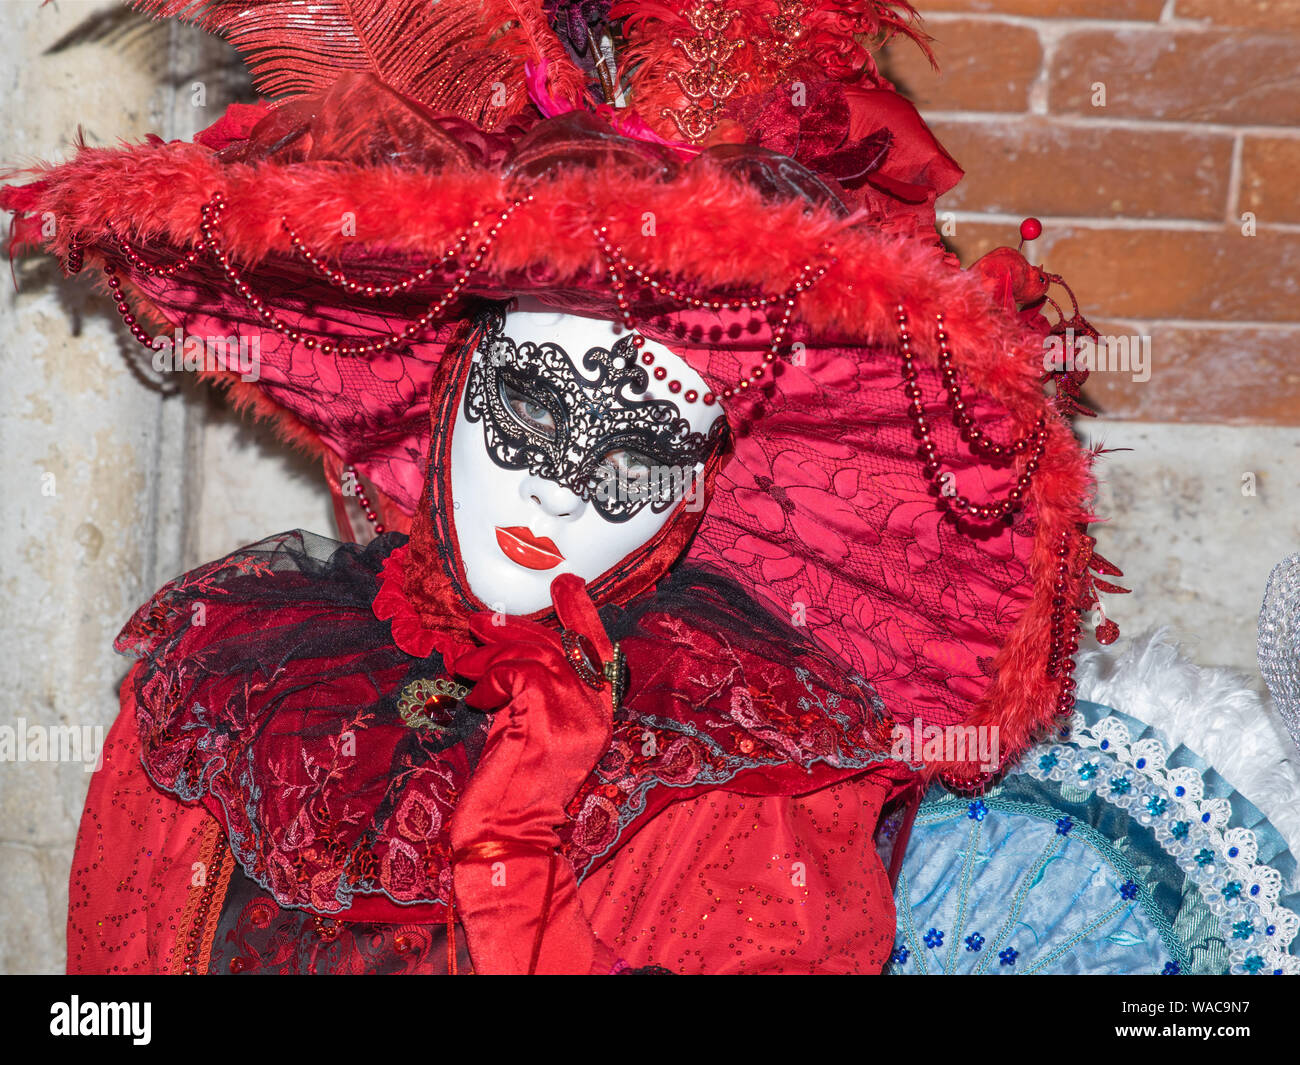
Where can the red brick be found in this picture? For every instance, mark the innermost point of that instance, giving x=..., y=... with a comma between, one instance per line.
x=1172, y=274
x=986, y=66
x=1187, y=76
x=1142, y=10
x=1233, y=376
x=1257, y=14
x=1033, y=165
x=1269, y=183
x=971, y=240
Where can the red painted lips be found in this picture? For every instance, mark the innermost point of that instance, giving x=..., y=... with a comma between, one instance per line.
x=529, y=551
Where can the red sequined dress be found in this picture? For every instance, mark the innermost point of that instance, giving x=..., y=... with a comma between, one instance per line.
x=263, y=808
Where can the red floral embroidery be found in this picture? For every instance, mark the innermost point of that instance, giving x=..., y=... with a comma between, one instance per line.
x=825, y=512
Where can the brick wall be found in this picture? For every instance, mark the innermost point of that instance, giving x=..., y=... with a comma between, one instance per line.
x=1159, y=143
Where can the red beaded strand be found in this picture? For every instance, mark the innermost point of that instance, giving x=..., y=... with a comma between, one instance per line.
x=1035, y=442
x=973, y=435
x=153, y=270
x=733, y=303
x=1065, y=630
x=363, y=499
x=615, y=259
x=339, y=279
x=124, y=308
x=968, y=787
x=1063, y=645
x=212, y=213
x=76, y=256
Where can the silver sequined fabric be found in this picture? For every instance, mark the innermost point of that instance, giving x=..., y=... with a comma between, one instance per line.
x=1279, y=641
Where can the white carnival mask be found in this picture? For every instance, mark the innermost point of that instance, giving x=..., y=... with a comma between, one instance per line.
x=566, y=456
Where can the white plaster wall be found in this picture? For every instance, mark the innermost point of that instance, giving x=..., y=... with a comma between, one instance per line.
x=1196, y=517
x=149, y=477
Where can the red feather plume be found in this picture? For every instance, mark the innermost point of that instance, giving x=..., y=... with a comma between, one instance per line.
x=462, y=56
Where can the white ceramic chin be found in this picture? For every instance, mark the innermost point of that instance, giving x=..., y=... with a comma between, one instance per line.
x=486, y=497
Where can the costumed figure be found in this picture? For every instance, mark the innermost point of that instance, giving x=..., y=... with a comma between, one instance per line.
x=713, y=509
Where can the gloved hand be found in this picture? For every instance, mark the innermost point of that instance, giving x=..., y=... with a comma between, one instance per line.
x=515, y=894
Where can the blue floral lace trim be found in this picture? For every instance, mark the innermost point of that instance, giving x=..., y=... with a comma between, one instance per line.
x=1103, y=852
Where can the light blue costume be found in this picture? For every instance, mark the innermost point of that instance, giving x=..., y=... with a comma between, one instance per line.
x=1106, y=852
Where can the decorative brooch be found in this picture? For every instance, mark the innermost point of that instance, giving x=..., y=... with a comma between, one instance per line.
x=585, y=660
x=428, y=703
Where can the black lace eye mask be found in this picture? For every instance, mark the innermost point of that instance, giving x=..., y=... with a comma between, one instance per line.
x=598, y=438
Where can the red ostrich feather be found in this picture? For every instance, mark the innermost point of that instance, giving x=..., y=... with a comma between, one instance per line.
x=829, y=46
x=454, y=56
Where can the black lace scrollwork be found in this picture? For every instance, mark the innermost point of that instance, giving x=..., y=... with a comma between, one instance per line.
x=600, y=437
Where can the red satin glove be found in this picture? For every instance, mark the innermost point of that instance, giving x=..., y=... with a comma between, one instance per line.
x=515, y=894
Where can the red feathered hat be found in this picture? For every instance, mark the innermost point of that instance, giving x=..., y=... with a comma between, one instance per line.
x=731, y=178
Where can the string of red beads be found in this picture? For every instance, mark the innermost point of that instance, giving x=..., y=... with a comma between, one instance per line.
x=1063, y=645
x=211, y=215
x=638, y=341
x=76, y=256
x=615, y=259
x=124, y=308
x=341, y=280
x=154, y=270
x=1065, y=630
x=665, y=288
x=971, y=433
x=1035, y=441
x=363, y=499
x=967, y=786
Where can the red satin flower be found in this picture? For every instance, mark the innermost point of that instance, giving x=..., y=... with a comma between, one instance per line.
x=391, y=604
x=813, y=128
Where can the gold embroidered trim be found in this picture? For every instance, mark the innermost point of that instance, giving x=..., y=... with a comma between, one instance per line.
x=782, y=50
x=708, y=84
x=198, y=921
